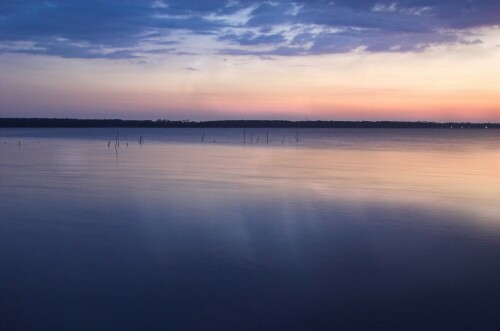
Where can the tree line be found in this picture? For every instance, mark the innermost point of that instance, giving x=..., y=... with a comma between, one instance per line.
x=119, y=123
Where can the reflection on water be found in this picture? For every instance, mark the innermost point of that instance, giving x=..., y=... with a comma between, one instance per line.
x=349, y=229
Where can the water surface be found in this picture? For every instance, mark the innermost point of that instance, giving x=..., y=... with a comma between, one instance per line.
x=338, y=229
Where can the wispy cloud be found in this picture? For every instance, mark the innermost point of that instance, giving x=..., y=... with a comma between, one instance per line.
x=113, y=29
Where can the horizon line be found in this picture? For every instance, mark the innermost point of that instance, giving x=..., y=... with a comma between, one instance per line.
x=12, y=122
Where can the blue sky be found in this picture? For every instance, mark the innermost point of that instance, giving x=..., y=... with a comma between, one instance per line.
x=131, y=29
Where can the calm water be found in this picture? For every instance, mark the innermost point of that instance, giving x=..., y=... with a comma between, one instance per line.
x=344, y=229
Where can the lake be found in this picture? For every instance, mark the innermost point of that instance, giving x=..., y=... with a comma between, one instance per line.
x=348, y=229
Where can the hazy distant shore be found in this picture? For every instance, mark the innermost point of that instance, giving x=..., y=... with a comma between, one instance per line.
x=104, y=123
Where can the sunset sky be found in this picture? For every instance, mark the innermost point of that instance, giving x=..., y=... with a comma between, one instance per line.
x=436, y=60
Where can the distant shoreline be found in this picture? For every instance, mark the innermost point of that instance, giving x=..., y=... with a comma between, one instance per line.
x=117, y=123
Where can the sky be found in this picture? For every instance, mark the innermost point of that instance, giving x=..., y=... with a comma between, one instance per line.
x=431, y=60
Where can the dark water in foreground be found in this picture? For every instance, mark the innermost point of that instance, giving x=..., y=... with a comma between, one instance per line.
x=346, y=229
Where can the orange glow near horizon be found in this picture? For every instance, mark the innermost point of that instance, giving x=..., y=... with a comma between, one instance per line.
x=442, y=84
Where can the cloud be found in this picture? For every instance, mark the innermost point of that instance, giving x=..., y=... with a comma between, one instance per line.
x=160, y=51
x=128, y=29
x=471, y=42
x=251, y=38
x=377, y=41
x=264, y=54
x=159, y=4
x=68, y=50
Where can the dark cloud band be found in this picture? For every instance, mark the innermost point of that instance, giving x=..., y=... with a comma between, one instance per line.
x=115, y=29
